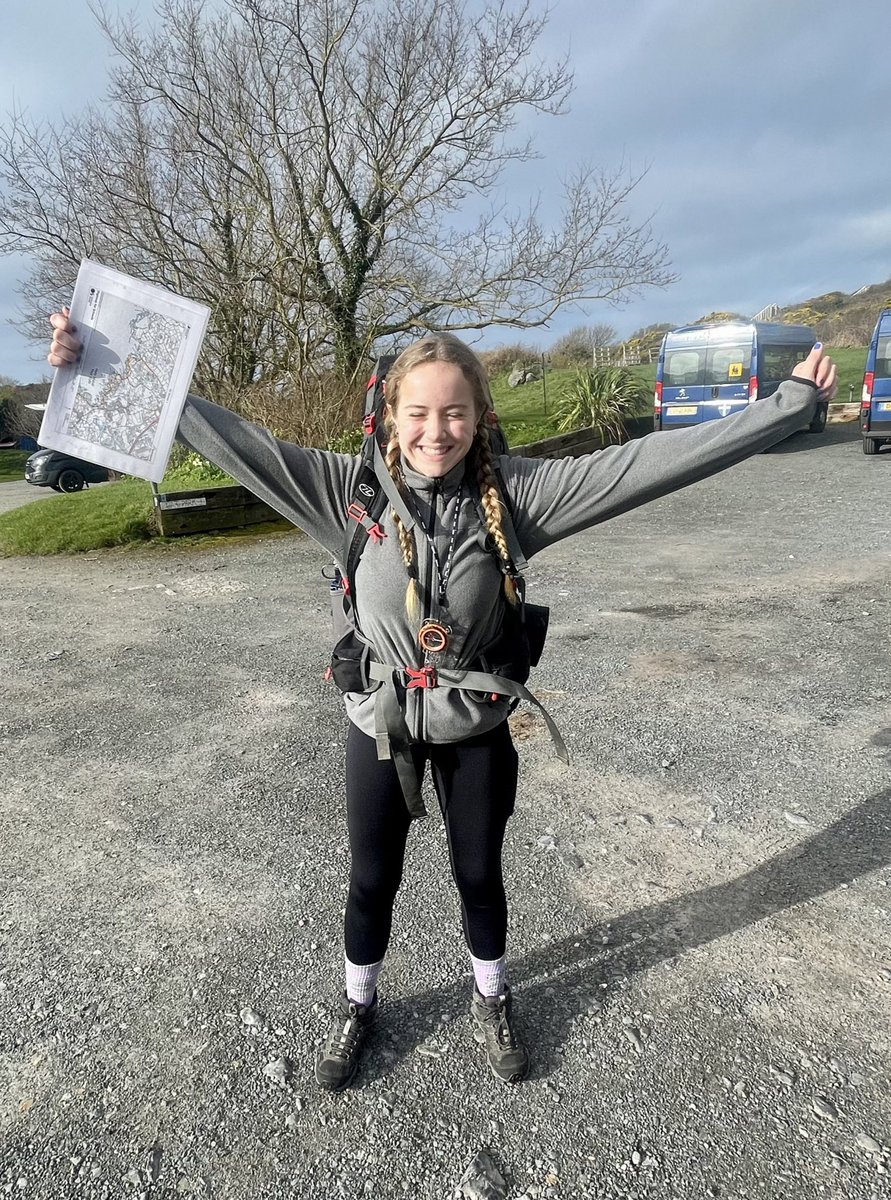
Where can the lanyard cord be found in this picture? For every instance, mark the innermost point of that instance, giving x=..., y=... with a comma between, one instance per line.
x=443, y=569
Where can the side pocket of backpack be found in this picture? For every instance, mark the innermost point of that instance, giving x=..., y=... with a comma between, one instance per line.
x=349, y=664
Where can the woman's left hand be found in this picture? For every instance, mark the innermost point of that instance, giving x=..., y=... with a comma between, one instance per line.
x=819, y=368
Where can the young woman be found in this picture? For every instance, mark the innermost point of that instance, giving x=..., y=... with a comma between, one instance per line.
x=437, y=563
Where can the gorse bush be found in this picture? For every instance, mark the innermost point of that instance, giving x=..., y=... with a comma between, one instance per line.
x=601, y=398
x=198, y=468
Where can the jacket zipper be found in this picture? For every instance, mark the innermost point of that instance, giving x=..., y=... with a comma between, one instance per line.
x=427, y=611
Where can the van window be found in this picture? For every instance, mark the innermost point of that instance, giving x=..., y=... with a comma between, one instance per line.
x=683, y=368
x=728, y=364
x=883, y=358
x=777, y=362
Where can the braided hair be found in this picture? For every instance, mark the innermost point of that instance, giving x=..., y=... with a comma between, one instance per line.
x=445, y=348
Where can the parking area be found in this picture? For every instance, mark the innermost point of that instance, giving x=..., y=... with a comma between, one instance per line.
x=701, y=899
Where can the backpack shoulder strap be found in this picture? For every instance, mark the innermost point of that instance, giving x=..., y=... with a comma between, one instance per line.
x=374, y=486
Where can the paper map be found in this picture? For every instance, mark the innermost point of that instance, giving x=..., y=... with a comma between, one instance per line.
x=121, y=404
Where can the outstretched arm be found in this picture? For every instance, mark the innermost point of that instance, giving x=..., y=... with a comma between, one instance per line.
x=552, y=499
x=311, y=488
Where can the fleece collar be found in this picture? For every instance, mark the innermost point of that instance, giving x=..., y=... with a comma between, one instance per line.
x=450, y=482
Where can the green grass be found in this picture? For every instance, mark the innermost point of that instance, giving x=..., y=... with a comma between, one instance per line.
x=850, y=362
x=12, y=465
x=111, y=515
x=528, y=412
x=115, y=514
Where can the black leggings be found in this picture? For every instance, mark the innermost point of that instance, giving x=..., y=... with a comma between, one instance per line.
x=476, y=784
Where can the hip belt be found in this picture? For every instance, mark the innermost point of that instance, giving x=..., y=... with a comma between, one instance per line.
x=391, y=729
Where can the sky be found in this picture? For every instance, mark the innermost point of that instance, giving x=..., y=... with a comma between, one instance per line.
x=762, y=126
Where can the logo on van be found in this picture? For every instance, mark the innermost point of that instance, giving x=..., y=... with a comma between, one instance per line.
x=682, y=394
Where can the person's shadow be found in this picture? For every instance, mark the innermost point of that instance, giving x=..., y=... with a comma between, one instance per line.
x=858, y=842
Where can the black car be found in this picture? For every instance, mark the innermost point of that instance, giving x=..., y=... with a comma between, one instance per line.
x=62, y=472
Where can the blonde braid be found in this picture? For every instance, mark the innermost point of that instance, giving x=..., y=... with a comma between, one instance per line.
x=491, y=502
x=406, y=536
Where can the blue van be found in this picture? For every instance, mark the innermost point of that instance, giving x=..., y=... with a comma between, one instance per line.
x=712, y=370
x=875, y=402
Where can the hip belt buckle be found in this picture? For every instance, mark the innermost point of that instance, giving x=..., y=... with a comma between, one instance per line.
x=421, y=677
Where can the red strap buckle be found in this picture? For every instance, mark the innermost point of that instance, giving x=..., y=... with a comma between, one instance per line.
x=375, y=532
x=369, y=424
x=421, y=677
x=357, y=512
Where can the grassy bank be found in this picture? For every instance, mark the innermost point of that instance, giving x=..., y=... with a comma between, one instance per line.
x=113, y=514
x=528, y=412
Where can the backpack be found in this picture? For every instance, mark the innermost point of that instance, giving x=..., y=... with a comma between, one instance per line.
x=505, y=664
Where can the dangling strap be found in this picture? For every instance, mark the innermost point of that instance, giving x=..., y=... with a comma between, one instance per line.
x=391, y=730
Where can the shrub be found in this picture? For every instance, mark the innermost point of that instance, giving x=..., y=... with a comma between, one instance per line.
x=601, y=398
x=505, y=358
x=198, y=468
x=348, y=442
x=576, y=347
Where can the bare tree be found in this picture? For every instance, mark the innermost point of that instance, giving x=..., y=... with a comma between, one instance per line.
x=305, y=168
x=579, y=343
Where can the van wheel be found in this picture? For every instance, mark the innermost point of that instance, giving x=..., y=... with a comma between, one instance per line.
x=71, y=481
x=870, y=446
x=819, y=422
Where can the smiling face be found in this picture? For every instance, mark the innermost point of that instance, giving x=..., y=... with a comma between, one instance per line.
x=435, y=417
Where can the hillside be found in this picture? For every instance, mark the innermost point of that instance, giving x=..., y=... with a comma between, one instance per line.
x=840, y=319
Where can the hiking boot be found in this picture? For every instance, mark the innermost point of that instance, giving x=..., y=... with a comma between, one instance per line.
x=507, y=1057
x=338, y=1059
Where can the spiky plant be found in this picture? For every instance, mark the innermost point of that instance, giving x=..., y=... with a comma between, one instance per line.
x=601, y=398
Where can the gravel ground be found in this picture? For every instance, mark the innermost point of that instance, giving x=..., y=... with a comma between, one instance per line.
x=700, y=901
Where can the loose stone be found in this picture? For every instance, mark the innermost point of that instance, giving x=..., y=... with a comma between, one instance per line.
x=825, y=1108
x=482, y=1180
x=251, y=1018
x=278, y=1071
x=796, y=819
x=431, y=1050
x=869, y=1144
x=633, y=1036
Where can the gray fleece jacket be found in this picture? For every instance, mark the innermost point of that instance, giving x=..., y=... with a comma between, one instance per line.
x=549, y=499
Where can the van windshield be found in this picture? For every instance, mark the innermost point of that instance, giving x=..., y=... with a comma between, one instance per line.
x=883, y=358
x=707, y=366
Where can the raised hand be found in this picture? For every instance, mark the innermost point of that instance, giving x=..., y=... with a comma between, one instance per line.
x=66, y=345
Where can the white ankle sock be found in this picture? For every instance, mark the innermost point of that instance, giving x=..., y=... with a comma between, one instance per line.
x=361, y=982
x=490, y=975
